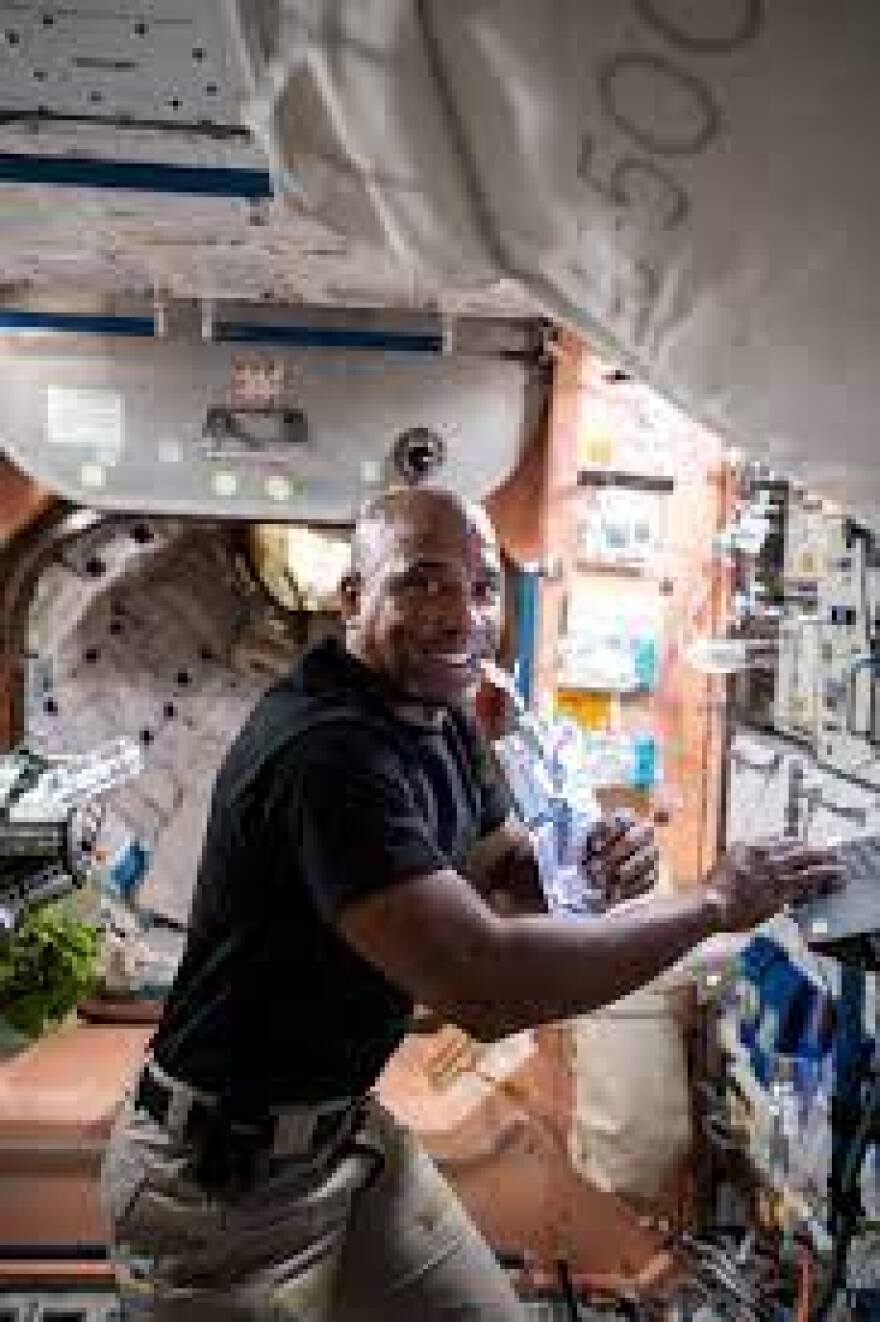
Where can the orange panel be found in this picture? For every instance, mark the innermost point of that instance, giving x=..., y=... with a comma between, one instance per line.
x=21, y=500
x=57, y=1102
x=68, y=1084
x=591, y=710
x=687, y=710
x=507, y=1155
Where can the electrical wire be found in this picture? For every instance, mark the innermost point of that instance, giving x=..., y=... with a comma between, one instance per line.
x=844, y=1224
x=802, y=1305
x=713, y=1266
x=568, y=1295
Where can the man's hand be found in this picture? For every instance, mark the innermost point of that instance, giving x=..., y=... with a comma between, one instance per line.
x=620, y=857
x=503, y=869
x=750, y=883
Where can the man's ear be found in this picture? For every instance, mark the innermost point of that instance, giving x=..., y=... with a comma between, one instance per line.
x=350, y=595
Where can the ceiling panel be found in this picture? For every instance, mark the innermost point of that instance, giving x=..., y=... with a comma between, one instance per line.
x=165, y=82
x=156, y=60
x=126, y=242
x=693, y=186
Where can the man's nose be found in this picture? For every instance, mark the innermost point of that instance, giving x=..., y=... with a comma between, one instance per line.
x=463, y=613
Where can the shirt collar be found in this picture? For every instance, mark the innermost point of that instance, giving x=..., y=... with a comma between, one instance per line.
x=330, y=665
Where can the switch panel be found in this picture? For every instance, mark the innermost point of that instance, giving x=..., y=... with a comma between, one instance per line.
x=796, y=699
x=806, y=544
x=841, y=591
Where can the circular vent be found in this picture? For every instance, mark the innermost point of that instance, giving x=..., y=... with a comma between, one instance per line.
x=418, y=454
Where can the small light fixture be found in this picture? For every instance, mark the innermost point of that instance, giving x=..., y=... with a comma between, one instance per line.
x=207, y=320
x=92, y=475
x=160, y=315
x=169, y=452
x=277, y=487
x=225, y=484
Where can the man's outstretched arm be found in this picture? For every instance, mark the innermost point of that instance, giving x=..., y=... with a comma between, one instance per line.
x=436, y=938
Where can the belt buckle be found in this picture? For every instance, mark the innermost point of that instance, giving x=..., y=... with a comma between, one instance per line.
x=179, y=1112
x=153, y=1096
x=170, y=1104
x=294, y=1133
x=327, y=1126
x=257, y=1134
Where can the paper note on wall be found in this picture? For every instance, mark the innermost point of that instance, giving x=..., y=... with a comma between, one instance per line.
x=92, y=418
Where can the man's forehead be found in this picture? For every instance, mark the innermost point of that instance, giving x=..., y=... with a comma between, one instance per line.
x=465, y=537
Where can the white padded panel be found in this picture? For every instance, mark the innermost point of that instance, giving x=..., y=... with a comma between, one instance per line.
x=167, y=623
x=692, y=185
x=153, y=59
x=162, y=81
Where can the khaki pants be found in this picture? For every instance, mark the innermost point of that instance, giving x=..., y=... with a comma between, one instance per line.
x=371, y=1231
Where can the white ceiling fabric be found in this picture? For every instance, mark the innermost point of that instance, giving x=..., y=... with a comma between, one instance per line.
x=691, y=184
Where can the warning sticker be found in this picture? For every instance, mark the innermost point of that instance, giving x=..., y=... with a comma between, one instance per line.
x=89, y=417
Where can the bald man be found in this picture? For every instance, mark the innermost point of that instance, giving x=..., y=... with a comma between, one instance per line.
x=354, y=839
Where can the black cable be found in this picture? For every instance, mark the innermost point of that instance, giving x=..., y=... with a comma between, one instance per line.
x=849, y=1204
x=568, y=1295
x=512, y=1260
x=85, y=1251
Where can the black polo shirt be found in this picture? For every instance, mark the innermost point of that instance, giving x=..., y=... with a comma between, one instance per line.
x=325, y=797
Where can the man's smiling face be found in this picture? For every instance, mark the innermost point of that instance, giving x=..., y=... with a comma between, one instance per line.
x=424, y=604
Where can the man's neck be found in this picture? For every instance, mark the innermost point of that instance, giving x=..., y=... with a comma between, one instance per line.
x=413, y=711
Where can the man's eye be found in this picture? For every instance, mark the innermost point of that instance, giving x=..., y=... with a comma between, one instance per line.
x=418, y=580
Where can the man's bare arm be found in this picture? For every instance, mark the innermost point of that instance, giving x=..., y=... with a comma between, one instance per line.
x=502, y=868
x=436, y=938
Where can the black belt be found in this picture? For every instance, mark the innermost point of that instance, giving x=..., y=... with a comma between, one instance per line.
x=256, y=1132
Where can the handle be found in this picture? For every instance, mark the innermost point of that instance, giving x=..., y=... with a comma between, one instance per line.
x=770, y=768
x=224, y=426
x=850, y=813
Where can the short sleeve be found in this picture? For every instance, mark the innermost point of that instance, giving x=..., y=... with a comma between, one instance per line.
x=358, y=828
